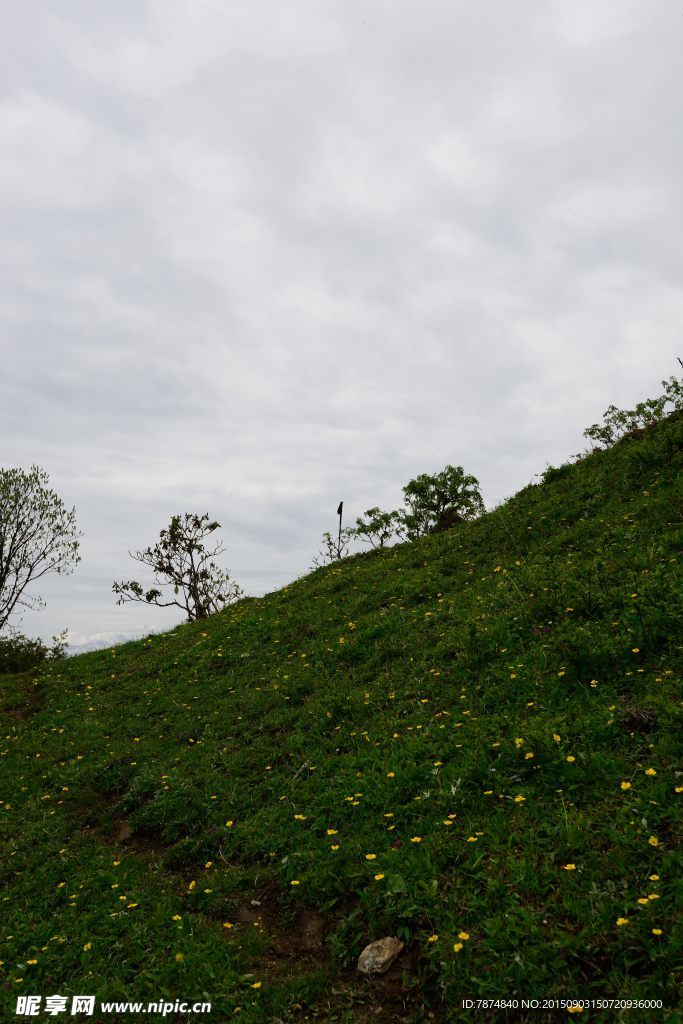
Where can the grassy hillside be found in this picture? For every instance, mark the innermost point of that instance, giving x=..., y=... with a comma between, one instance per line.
x=468, y=742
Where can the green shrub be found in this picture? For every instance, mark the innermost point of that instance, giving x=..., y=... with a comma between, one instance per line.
x=553, y=473
x=378, y=528
x=439, y=502
x=19, y=653
x=618, y=423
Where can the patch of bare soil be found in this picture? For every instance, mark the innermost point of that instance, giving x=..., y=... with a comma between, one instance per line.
x=290, y=937
x=20, y=712
x=298, y=946
x=141, y=842
x=17, y=713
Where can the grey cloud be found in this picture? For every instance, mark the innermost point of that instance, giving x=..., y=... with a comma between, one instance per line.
x=263, y=257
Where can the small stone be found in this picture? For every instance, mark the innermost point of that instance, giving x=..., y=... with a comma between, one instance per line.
x=378, y=956
x=124, y=832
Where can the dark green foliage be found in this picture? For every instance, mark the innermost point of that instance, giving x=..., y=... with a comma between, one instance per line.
x=437, y=503
x=553, y=473
x=433, y=504
x=116, y=777
x=19, y=653
x=378, y=527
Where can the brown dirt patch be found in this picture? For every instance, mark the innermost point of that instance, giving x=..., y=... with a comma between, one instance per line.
x=141, y=842
x=20, y=712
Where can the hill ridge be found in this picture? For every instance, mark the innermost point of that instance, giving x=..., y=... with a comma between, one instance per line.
x=474, y=734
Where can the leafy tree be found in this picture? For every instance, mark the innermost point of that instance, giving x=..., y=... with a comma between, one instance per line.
x=378, y=528
x=435, y=503
x=38, y=535
x=617, y=423
x=181, y=561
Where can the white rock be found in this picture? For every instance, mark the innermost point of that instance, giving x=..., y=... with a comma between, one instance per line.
x=378, y=956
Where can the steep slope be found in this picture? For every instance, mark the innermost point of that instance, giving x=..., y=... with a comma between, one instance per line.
x=468, y=742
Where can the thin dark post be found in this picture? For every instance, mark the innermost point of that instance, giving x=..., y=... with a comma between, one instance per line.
x=339, y=513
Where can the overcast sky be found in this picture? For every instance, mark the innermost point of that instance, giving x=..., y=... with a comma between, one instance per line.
x=258, y=257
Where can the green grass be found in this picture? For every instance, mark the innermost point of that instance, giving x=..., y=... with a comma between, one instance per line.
x=488, y=691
